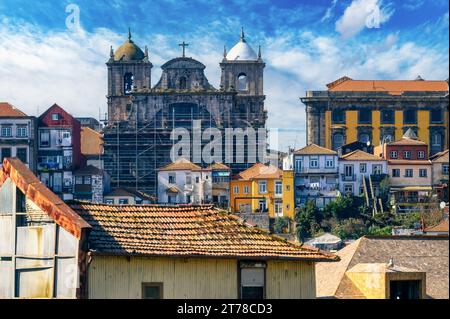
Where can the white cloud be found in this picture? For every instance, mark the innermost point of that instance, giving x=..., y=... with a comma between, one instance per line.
x=329, y=13
x=362, y=14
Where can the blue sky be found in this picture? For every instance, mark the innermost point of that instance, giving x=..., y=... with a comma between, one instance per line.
x=305, y=44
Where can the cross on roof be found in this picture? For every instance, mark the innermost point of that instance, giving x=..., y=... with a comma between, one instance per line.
x=184, y=45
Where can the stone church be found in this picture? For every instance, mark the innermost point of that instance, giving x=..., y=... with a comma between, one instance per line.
x=141, y=116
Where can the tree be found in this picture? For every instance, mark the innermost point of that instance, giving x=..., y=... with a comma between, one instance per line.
x=351, y=228
x=305, y=217
x=281, y=223
x=342, y=207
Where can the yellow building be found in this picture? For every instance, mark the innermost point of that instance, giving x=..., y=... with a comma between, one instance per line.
x=373, y=111
x=261, y=189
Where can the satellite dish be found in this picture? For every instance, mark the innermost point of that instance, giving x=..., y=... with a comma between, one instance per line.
x=442, y=205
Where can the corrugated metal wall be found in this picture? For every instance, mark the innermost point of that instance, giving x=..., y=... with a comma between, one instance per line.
x=118, y=277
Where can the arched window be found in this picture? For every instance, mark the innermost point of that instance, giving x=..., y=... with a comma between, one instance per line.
x=128, y=83
x=364, y=137
x=338, y=140
x=182, y=83
x=242, y=84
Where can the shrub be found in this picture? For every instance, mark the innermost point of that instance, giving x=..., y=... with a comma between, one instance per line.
x=281, y=224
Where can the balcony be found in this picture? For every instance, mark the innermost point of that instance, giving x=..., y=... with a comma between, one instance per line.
x=317, y=170
x=348, y=178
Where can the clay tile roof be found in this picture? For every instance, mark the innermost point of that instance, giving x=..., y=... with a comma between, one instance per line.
x=259, y=171
x=441, y=227
x=427, y=254
x=180, y=165
x=39, y=194
x=407, y=141
x=91, y=142
x=394, y=87
x=359, y=155
x=441, y=157
x=313, y=149
x=183, y=230
x=9, y=110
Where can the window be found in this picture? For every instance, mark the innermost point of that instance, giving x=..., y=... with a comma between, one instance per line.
x=6, y=130
x=409, y=172
x=337, y=116
x=197, y=179
x=262, y=205
x=55, y=116
x=410, y=117
x=396, y=172
x=365, y=117
x=236, y=189
x=420, y=154
x=393, y=154
x=387, y=117
x=436, y=116
x=242, y=84
x=78, y=180
x=278, y=207
x=338, y=140
x=348, y=170
x=123, y=201
x=404, y=289
x=278, y=188
x=183, y=85
x=128, y=83
x=22, y=154
x=152, y=290
x=288, y=188
x=298, y=165
x=348, y=189
x=6, y=152
x=252, y=280
x=188, y=179
x=109, y=201
x=364, y=137
x=361, y=190
x=246, y=190
x=22, y=131
x=423, y=172
x=436, y=142
x=377, y=169
x=188, y=199
x=445, y=169
x=262, y=187
x=87, y=180
x=407, y=154
x=313, y=162
x=329, y=162
x=172, y=179
x=363, y=168
x=44, y=139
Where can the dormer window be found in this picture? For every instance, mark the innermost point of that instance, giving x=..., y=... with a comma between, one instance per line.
x=242, y=83
x=128, y=83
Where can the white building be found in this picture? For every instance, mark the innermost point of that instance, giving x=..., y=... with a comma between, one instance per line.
x=183, y=182
x=358, y=169
x=316, y=175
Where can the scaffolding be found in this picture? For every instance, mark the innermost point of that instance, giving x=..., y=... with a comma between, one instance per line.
x=135, y=149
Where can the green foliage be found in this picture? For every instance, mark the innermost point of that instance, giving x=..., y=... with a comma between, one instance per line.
x=379, y=231
x=306, y=219
x=351, y=228
x=281, y=224
x=343, y=207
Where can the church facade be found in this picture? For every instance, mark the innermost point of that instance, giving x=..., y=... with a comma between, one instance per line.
x=142, y=116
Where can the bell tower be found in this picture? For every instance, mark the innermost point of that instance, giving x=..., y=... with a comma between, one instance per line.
x=243, y=69
x=129, y=69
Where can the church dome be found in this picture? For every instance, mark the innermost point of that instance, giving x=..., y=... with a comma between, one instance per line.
x=129, y=51
x=242, y=51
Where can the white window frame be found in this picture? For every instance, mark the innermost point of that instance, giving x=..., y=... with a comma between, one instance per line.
x=409, y=170
x=246, y=189
x=278, y=208
x=393, y=154
x=361, y=166
x=407, y=154
x=313, y=160
x=235, y=189
x=421, y=171
x=420, y=154
x=278, y=188
x=262, y=187
x=329, y=160
x=445, y=169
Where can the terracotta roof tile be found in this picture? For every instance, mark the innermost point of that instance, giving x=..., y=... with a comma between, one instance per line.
x=441, y=157
x=180, y=165
x=39, y=194
x=259, y=171
x=394, y=87
x=359, y=155
x=218, y=166
x=407, y=141
x=9, y=110
x=183, y=230
x=313, y=149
